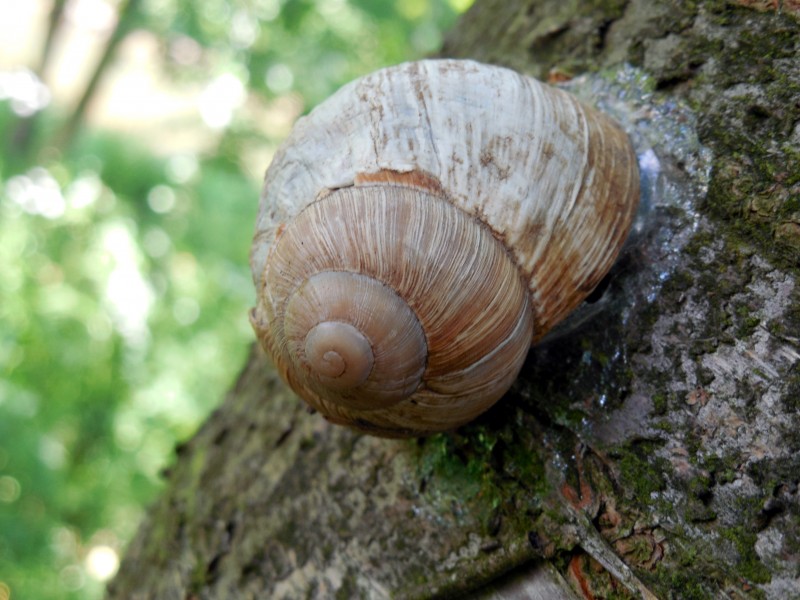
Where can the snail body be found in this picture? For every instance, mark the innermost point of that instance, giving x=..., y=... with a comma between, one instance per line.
x=420, y=229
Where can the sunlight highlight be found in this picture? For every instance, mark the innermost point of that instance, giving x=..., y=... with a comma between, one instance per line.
x=102, y=562
x=220, y=99
x=128, y=293
x=37, y=193
x=25, y=91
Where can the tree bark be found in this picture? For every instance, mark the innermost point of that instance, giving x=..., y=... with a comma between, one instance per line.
x=651, y=452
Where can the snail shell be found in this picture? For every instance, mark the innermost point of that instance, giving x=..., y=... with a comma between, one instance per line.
x=420, y=229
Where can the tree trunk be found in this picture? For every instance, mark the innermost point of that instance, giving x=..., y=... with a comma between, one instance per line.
x=651, y=452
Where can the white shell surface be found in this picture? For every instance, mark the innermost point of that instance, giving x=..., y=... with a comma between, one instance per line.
x=556, y=182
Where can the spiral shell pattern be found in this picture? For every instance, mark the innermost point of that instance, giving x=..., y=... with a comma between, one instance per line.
x=430, y=343
x=421, y=228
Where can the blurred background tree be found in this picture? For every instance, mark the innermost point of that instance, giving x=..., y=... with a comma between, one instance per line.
x=135, y=134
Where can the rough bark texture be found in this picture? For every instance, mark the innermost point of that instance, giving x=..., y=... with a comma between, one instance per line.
x=657, y=453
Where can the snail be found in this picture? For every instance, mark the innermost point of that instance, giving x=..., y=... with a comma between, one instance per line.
x=422, y=228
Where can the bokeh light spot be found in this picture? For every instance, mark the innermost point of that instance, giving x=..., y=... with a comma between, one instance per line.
x=460, y=6
x=96, y=15
x=102, y=562
x=10, y=489
x=161, y=199
x=156, y=242
x=72, y=578
x=185, y=50
x=84, y=191
x=37, y=193
x=268, y=10
x=128, y=294
x=25, y=91
x=220, y=99
x=181, y=168
x=279, y=78
x=244, y=29
x=52, y=452
x=186, y=311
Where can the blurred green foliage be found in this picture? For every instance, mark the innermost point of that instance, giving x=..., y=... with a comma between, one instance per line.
x=124, y=284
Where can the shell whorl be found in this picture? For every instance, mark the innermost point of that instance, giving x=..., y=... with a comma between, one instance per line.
x=356, y=339
x=434, y=307
x=476, y=206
